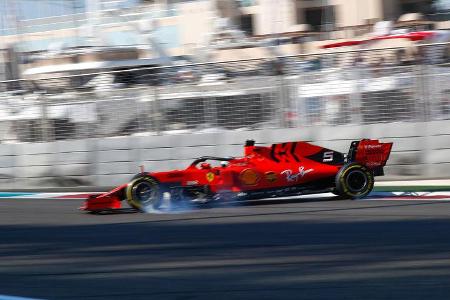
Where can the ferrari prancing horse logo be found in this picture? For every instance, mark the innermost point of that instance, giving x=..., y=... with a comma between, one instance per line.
x=210, y=176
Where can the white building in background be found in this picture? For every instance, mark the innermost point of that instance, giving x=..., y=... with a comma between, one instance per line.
x=182, y=26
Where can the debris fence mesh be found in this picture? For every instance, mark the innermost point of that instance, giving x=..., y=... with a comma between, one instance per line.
x=335, y=88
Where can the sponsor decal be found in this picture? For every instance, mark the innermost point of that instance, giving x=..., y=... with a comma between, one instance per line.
x=210, y=176
x=249, y=177
x=292, y=177
x=192, y=182
x=271, y=176
x=374, y=147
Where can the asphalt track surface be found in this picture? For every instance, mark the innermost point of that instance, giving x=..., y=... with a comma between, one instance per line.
x=277, y=249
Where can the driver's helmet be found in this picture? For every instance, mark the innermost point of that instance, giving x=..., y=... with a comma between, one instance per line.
x=205, y=165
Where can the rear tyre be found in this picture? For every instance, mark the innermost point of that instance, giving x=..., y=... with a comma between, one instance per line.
x=144, y=194
x=354, y=181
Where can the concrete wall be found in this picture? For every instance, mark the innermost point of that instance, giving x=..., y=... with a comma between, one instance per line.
x=421, y=150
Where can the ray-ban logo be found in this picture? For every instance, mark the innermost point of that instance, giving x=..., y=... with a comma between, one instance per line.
x=291, y=176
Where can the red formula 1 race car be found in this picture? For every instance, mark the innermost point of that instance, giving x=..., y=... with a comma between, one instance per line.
x=284, y=169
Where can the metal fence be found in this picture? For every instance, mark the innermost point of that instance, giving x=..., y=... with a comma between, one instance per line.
x=347, y=87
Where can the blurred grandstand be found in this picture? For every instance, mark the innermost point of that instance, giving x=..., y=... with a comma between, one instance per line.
x=86, y=69
x=75, y=91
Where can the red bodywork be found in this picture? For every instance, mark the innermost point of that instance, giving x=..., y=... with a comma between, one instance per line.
x=412, y=36
x=262, y=171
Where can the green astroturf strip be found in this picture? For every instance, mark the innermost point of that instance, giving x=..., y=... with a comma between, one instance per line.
x=418, y=188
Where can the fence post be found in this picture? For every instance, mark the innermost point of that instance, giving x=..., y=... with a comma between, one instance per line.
x=300, y=103
x=422, y=93
x=423, y=98
x=156, y=111
x=210, y=110
x=45, y=125
x=355, y=97
x=282, y=101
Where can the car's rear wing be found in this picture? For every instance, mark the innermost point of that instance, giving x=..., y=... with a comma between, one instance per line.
x=370, y=153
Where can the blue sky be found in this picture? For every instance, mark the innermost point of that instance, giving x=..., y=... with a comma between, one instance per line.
x=443, y=4
x=32, y=9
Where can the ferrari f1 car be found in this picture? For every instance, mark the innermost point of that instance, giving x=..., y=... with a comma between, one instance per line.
x=283, y=169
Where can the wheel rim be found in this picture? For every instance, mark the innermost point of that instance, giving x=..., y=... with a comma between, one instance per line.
x=357, y=181
x=145, y=193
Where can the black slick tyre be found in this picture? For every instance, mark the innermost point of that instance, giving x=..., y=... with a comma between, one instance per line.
x=144, y=193
x=354, y=181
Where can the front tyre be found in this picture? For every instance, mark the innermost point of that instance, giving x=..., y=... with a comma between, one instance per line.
x=354, y=181
x=144, y=194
